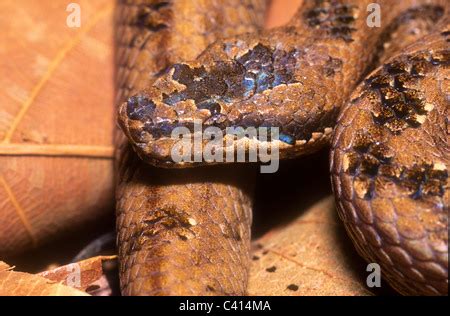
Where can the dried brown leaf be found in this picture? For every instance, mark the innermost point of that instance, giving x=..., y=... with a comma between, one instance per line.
x=14, y=283
x=87, y=275
x=56, y=120
x=307, y=257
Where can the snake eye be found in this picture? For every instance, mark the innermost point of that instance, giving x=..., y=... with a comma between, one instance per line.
x=287, y=139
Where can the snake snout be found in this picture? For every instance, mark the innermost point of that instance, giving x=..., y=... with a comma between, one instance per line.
x=134, y=115
x=140, y=107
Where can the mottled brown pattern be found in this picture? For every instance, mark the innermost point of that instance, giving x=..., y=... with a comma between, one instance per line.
x=319, y=71
x=337, y=19
x=401, y=102
x=389, y=161
x=184, y=232
x=390, y=172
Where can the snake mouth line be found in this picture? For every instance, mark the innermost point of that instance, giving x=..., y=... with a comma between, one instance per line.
x=194, y=144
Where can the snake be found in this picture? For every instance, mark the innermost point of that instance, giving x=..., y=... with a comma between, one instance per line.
x=185, y=232
x=379, y=94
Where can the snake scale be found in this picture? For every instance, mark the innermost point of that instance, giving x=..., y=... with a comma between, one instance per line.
x=390, y=152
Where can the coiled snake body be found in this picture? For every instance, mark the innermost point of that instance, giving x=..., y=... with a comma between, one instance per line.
x=390, y=152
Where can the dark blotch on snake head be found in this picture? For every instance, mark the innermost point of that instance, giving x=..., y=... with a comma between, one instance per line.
x=260, y=69
x=214, y=85
x=222, y=81
x=140, y=108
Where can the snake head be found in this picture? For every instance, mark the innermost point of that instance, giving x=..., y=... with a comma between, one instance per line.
x=244, y=83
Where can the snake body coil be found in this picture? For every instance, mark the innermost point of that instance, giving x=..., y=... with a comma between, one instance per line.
x=186, y=232
x=389, y=166
x=390, y=154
